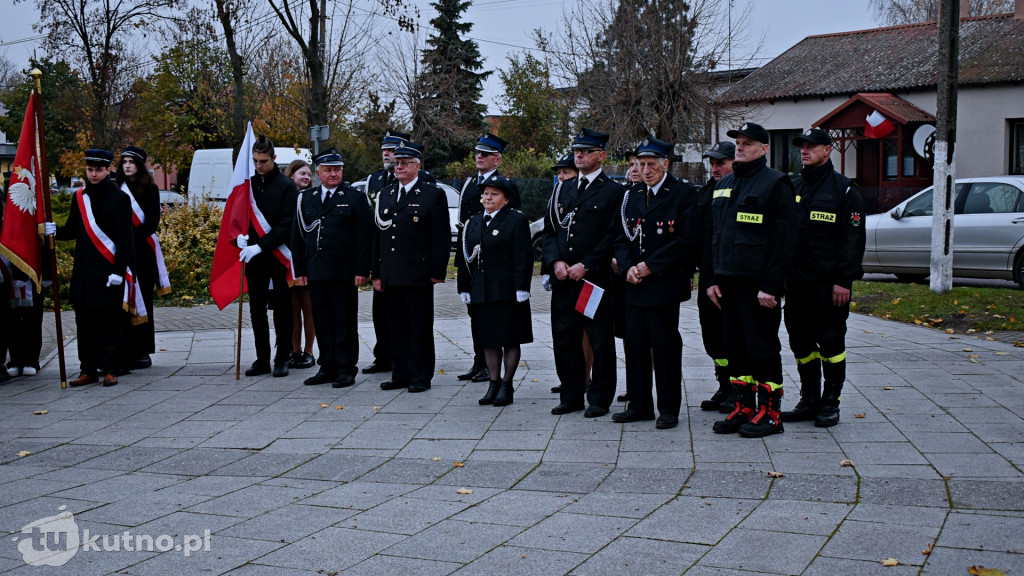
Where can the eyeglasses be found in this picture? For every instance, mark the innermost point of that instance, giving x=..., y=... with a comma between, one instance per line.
x=586, y=152
x=483, y=154
x=404, y=163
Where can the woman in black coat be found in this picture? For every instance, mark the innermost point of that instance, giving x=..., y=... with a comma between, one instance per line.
x=139, y=341
x=494, y=279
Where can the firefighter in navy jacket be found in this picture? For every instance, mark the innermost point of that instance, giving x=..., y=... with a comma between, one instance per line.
x=753, y=215
x=331, y=245
x=829, y=250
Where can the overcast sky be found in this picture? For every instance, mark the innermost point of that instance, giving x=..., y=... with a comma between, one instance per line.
x=504, y=26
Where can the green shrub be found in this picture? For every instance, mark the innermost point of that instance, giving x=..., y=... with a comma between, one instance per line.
x=188, y=238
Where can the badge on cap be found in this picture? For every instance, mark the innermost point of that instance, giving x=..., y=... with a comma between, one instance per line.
x=646, y=142
x=744, y=127
x=580, y=135
x=807, y=132
x=715, y=147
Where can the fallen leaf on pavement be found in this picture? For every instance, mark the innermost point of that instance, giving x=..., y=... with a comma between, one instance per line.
x=534, y=380
x=441, y=372
x=968, y=349
x=339, y=407
x=40, y=412
x=927, y=550
x=1019, y=344
x=1001, y=353
x=890, y=562
x=436, y=458
x=982, y=571
x=23, y=453
x=847, y=463
x=772, y=474
x=324, y=405
x=859, y=415
x=888, y=388
x=464, y=491
x=458, y=464
x=376, y=407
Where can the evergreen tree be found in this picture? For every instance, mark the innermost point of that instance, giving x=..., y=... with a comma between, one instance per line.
x=449, y=116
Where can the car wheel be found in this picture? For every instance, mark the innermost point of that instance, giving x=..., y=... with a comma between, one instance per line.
x=538, y=249
x=1018, y=270
x=911, y=278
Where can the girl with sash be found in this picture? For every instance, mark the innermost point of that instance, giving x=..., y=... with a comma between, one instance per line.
x=135, y=180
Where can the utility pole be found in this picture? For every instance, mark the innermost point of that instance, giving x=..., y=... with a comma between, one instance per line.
x=945, y=140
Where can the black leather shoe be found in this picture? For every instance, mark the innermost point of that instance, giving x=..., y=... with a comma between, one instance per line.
x=506, y=392
x=143, y=362
x=419, y=387
x=556, y=389
x=473, y=371
x=594, y=412
x=320, y=377
x=716, y=400
x=389, y=385
x=482, y=376
x=343, y=381
x=377, y=366
x=564, y=408
x=623, y=398
x=258, y=369
x=280, y=368
x=631, y=416
x=301, y=360
x=666, y=422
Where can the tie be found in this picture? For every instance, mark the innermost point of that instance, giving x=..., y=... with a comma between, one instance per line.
x=583, y=186
x=479, y=179
x=487, y=220
x=327, y=197
x=401, y=194
x=650, y=195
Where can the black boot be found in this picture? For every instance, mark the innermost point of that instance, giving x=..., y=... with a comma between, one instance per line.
x=743, y=408
x=810, y=393
x=766, y=421
x=504, y=397
x=719, y=397
x=492, y=391
x=828, y=416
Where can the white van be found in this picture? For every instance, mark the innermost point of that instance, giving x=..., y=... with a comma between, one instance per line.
x=212, y=168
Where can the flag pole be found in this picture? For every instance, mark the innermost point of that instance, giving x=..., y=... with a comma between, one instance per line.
x=238, y=346
x=44, y=180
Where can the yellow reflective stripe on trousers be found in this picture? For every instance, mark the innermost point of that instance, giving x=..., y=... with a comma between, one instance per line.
x=772, y=385
x=835, y=359
x=809, y=358
x=721, y=361
x=747, y=379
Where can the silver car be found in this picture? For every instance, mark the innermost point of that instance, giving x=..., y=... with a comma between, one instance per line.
x=988, y=233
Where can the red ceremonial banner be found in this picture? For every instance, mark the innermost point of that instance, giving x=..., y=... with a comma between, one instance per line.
x=23, y=206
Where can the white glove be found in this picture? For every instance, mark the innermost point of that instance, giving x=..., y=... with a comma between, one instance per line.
x=465, y=297
x=242, y=241
x=249, y=252
x=545, y=281
x=50, y=228
x=114, y=280
x=522, y=295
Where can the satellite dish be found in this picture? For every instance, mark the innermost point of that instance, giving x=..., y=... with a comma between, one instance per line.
x=924, y=139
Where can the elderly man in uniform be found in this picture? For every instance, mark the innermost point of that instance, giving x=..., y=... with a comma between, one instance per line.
x=331, y=246
x=100, y=222
x=652, y=254
x=376, y=182
x=720, y=157
x=830, y=241
x=411, y=256
x=753, y=217
x=579, y=230
x=487, y=154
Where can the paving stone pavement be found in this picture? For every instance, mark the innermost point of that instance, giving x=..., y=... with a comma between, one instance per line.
x=287, y=479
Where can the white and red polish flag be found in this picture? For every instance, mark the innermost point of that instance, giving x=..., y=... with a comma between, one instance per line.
x=590, y=299
x=877, y=126
x=226, y=270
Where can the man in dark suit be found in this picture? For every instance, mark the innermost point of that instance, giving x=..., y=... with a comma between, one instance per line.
x=652, y=256
x=487, y=154
x=100, y=222
x=376, y=182
x=331, y=246
x=275, y=196
x=411, y=256
x=578, y=233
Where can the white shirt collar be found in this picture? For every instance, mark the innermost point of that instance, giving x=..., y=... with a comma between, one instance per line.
x=657, y=186
x=408, y=187
x=492, y=214
x=487, y=175
x=590, y=177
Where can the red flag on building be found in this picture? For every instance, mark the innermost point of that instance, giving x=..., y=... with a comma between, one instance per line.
x=224, y=275
x=877, y=126
x=23, y=206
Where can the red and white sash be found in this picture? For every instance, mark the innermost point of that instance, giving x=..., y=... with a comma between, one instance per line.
x=163, y=282
x=132, y=301
x=259, y=221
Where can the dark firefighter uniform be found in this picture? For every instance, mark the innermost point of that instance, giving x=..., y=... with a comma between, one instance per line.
x=752, y=236
x=376, y=182
x=331, y=245
x=415, y=242
x=653, y=223
x=580, y=227
x=829, y=249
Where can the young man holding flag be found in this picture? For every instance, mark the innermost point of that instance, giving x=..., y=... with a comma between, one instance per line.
x=100, y=222
x=265, y=250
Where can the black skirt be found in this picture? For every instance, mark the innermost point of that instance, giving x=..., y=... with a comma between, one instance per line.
x=501, y=324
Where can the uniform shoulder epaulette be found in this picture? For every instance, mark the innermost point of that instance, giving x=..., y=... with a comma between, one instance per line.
x=519, y=211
